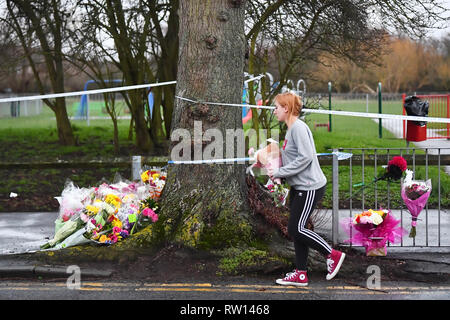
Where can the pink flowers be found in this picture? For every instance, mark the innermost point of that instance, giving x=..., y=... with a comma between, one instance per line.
x=416, y=189
x=415, y=195
x=147, y=212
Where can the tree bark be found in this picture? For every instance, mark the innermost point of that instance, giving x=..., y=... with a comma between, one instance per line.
x=206, y=205
x=63, y=126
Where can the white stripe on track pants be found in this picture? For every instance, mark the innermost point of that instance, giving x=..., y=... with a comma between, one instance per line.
x=302, y=204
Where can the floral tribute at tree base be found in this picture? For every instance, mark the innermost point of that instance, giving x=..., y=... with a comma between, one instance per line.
x=108, y=213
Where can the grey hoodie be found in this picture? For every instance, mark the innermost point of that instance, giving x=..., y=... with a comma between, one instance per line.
x=300, y=164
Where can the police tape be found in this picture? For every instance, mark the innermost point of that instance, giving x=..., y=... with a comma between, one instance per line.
x=85, y=92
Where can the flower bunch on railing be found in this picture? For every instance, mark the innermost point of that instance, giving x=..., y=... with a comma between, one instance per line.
x=394, y=171
x=415, y=194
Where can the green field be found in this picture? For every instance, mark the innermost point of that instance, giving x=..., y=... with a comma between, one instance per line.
x=47, y=118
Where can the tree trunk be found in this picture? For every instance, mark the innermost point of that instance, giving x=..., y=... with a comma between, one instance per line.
x=143, y=141
x=63, y=126
x=204, y=205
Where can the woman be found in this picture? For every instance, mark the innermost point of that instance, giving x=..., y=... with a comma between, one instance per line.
x=302, y=172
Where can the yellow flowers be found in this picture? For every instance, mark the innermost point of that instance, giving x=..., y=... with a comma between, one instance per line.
x=145, y=176
x=155, y=180
x=92, y=210
x=113, y=200
x=116, y=223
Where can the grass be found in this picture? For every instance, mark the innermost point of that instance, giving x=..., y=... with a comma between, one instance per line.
x=46, y=119
x=354, y=132
x=40, y=143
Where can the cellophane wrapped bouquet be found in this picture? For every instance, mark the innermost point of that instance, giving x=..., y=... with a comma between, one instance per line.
x=270, y=157
x=415, y=194
x=107, y=213
x=373, y=229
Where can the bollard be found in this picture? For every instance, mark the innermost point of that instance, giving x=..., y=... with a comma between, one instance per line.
x=380, y=111
x=329, y=106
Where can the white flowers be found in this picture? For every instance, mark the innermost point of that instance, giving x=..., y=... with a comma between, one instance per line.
x=108, y=208
x=371, y=216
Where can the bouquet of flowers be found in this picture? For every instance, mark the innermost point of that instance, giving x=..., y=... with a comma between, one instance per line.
x=270, y=157
x=105, y=214
x=395, y=169
x=373, y=229
x=415, y=195
x=278, y=191
x=156, y=181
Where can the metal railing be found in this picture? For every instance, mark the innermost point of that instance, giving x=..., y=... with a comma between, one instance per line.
x=19, y=108
x=362, y=192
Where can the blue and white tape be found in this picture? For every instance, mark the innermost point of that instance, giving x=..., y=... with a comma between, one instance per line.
x=80, y=93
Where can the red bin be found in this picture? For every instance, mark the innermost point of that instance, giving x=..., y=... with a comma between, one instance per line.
x=415, y=132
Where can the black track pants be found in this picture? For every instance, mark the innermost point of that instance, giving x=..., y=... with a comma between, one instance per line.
x=302, y=203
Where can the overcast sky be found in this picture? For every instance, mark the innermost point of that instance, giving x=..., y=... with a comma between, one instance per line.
x=443, y=32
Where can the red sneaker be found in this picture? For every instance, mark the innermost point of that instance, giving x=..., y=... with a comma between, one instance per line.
x=295, y=278
x=334, y=262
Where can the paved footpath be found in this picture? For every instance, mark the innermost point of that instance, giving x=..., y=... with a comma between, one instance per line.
x=25, y=231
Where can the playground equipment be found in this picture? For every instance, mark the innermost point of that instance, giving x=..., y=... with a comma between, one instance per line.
x=151, y=102
x=83, y=109
x=301, y=92
x=247, y=112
